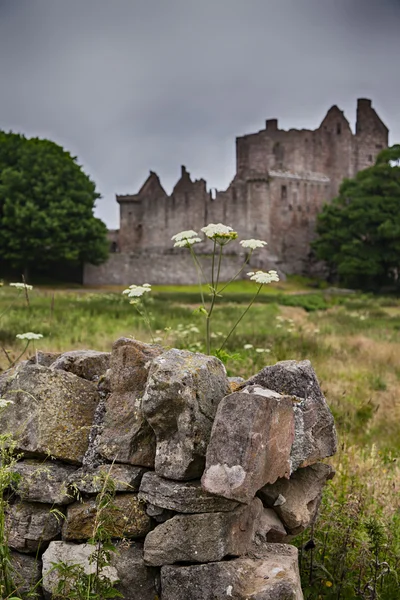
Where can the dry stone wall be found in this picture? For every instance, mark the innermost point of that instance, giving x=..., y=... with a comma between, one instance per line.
x=213, y=476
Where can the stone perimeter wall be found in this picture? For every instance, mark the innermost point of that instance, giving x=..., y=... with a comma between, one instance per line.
x=214, y=476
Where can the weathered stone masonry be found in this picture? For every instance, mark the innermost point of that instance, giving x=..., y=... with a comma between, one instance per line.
x=282, y=180
x=213, y=477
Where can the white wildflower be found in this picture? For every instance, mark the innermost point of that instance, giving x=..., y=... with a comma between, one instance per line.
x=248, y=346
x=263, y=277
x=4, y=403
x=29, y=335
x=219, y=232
x=184, y=235
x=187, y=242
x=135, y=291
x=21, y=286
x=253, y=244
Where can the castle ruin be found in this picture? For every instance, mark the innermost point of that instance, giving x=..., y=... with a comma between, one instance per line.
x=282, y=180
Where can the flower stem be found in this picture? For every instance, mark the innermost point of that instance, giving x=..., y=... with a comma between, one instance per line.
x=240, y=318
x=238, y=273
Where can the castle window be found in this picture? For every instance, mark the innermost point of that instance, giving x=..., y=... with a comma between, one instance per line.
x=114, y=247
x=370, y=157
x=338, y=128
x=378, y=146
x=283, y=192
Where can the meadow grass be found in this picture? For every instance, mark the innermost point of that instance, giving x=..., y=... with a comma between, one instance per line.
x=353, y=343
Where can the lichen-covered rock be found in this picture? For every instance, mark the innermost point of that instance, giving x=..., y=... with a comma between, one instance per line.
x=315, y=433
x=31, y=526
x=202, y=537
x=126, y=518
x=296, y=500
x=181, y=496
x=88, y=364
x=250, y=443
x=27, y=572
x=126, y=437
x=45, y=359
x=125, y=478
x=180, y=401
x=268, y=574
x=270, y=528
x=70, y=554
x=51, y=414
x=137, y=581
x=44, y=481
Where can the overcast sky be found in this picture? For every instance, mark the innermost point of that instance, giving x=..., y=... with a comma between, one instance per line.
x=130, y=86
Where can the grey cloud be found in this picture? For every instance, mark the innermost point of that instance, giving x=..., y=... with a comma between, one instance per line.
x=131, y=85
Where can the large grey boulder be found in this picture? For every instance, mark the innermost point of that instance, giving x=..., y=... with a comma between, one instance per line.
x=268, y=574
x=180, y=401
x=126, y=570
x=44, y=481
x=124, y=478
x=70, y=554
x=51, y=414
x=250, y=443
x=31, y=526
x=315, y=433
x=296, y=500
x=125, y=436
x=88, y=364
x=125, y=518
x=27, y=573
x=202, y=537
x=181, y=496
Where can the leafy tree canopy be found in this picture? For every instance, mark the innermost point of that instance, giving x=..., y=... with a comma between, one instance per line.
x=46, y=207
x=359, y=231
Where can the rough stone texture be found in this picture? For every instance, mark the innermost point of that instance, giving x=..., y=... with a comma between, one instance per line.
x=127, y=519
x=183, y=497
x=31, y=526
x=45, y=359
x=250, y=443
x=282, y=180
x=137, y=581
x=44, y=481
x=70, y=554
x=51, y=414
x=315, y=433
x=27, y=573
x=202, y=537
x=126, y=478
x=160, y=515
x=126, y=436
x=270, y=527
x=88, y=364
x=180, y=402
x=296, y=500
x=270, y=574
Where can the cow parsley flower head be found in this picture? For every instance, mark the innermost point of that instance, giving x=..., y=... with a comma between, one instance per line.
x=263, y=277
x=4, y=403
x=222, y=234
x=184, y=235
x=29, y=335
x=136, y=291
x=21, y=286
x=187, y=243
x=253, y=244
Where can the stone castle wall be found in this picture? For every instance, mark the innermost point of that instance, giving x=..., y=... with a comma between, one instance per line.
x=282, y=180
x=213, y=476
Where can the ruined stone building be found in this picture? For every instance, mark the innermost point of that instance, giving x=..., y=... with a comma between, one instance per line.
x=282, y=180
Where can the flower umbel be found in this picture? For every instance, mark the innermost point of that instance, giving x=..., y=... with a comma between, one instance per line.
x=184, y=235
x=135, y=291
x=29, y=335
x=219, y=232
x=21, y=286
x=187, y=242
x=263, y=277
x=253, y=244
x=4, y=403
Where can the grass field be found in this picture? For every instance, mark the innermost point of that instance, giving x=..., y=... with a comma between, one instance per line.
x=353, y=343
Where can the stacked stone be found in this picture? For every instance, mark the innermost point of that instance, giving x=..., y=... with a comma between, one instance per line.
x=211, y=484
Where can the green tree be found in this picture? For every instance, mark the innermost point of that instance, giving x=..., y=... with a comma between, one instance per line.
x=359, y=231
x=46, y=207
